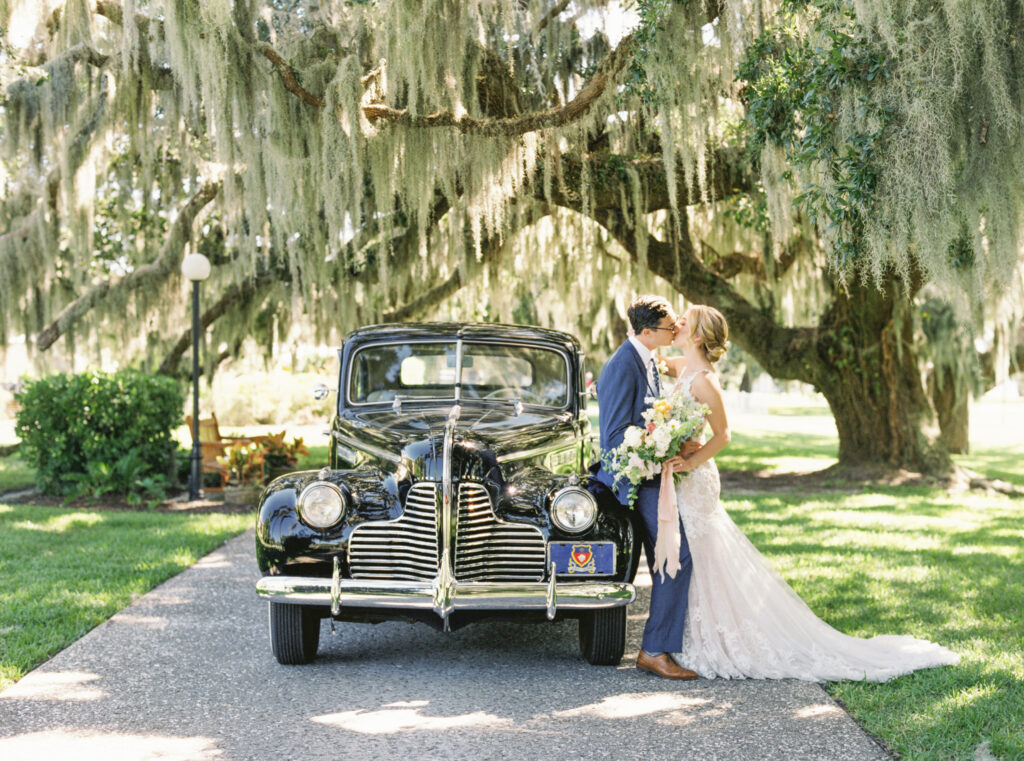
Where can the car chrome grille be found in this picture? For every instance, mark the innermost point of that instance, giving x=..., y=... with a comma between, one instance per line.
x=486, y=549
x=491, y=550
x=405, y=548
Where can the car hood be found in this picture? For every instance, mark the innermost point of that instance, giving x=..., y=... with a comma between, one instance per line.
x=418, y=435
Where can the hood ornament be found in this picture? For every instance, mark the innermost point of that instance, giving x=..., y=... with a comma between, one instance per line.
x=396, y=406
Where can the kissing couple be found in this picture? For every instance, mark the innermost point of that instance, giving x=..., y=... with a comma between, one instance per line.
x=718, y=608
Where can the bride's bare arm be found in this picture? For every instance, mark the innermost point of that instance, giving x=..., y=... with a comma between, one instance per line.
x=705, y=389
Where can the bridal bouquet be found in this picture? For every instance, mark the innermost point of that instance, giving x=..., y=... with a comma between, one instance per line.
x=668, y=422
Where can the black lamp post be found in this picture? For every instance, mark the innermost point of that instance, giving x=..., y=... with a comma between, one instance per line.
x=196, y=268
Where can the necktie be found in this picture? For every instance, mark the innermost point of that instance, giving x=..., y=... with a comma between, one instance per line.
x=654, y=375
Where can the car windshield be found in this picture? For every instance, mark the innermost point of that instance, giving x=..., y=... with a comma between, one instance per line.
x=426, y=370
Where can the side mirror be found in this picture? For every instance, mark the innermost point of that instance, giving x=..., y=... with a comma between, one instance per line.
x=320, y=391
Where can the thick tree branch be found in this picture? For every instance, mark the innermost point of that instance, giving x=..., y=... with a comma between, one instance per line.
x=506, y=126
x=552, y=14
x=730, y=265
x=786, y=353
x=491, y=249
x=291, y=83
x=160, y=269
x=517, y=125
x=113, y=11
x=236, y=294
x=610, y=177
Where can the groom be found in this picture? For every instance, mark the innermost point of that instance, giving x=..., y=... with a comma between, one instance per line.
x=628, y=379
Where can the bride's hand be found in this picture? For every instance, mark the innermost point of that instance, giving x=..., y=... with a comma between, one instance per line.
x=677, y=463
x=680, y=464
x=686, y=464
x=689, y=447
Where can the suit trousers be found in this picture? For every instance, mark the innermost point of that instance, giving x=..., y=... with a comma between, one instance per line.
x=667, y=617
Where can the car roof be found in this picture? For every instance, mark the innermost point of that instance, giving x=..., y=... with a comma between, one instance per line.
x=471, y=331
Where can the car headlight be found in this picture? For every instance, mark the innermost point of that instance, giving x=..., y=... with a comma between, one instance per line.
x=573, y=510
x=321, y=504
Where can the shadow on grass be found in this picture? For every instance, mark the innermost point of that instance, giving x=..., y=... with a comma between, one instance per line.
x=764, y=451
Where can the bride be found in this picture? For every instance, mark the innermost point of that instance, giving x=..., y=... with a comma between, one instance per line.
x=743, y=619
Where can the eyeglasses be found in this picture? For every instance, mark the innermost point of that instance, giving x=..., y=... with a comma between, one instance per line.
x=670, y=330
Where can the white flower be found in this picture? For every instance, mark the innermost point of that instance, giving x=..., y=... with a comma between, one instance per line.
x=633, y=437
x=635, y=461
x=662, y=438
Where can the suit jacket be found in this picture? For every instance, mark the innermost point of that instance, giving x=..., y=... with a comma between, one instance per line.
x=622, y=391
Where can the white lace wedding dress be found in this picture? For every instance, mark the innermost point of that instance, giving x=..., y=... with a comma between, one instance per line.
x=745, y=621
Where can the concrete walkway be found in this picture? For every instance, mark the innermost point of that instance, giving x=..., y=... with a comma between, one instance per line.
x=186, y=674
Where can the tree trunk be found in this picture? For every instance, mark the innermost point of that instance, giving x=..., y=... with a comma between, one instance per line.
x=951, y=406
x=869, y=373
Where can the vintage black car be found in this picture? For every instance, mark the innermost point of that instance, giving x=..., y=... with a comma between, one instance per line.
x=457, y=489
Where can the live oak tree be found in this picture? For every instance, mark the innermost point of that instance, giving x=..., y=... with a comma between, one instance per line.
x=812, y=169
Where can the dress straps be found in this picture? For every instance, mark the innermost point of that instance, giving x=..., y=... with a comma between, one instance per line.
x=684, y=382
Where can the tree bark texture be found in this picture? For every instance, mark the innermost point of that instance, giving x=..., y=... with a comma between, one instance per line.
x=952, y=408
x=868, y=371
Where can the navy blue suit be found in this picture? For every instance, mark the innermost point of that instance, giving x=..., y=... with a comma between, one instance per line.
x=621, y=393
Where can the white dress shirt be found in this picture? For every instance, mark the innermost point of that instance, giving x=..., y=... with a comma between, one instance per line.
x=645, y=357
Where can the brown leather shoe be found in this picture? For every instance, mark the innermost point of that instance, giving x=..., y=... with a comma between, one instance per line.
x=663, y=665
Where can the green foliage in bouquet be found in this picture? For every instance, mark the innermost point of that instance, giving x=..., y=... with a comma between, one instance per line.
x=669, y=422
x=95, y=433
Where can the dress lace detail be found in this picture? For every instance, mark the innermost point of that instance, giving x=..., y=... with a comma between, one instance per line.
x=744, y=621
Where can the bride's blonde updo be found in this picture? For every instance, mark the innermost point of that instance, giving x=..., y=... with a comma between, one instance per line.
x=708, y=324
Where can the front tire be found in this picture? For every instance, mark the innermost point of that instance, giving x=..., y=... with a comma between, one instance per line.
x=603, y=636
x=294, y=633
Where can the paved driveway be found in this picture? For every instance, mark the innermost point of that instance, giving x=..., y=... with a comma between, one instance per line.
x=186, y=674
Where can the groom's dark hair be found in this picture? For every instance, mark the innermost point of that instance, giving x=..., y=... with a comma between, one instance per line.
x=647, y=312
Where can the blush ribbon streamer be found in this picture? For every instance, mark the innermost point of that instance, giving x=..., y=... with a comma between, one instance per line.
x=666, y=549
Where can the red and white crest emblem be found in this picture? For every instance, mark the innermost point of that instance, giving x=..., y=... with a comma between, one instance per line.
x=581, y=554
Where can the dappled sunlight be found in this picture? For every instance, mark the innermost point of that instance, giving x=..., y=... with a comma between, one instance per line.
x=103, y=746
x=818, y=711
x=216, y=560
x=407, y=717
x=796, y=464
x=152, y=623
x=60, y=523
x=632, y=704
x=59, y=685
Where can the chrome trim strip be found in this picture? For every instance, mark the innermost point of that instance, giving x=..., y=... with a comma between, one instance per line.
x=552, y=595
x=523, y=454
x=369, y=448
x=399, y=595
x=448, y=508
x=458, y=369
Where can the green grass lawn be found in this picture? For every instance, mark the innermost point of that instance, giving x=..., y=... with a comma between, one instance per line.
x=949, y=568
x=15, y=474
x=63, y=571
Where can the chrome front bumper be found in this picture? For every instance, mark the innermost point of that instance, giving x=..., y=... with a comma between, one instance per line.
x=444, y=594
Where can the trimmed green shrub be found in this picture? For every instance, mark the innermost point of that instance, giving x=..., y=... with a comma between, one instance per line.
x=95, y=433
